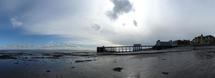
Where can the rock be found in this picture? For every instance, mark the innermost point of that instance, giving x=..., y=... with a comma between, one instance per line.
x=46, y=54
x=165, y=73
x=118, y=69
x=78, y=61
x=48, y=71
x=57, y=56
x=7, y=57
x=163, y=59
x=209, y=56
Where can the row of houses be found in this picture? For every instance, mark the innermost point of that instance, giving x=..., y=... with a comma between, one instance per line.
x=203, y=40
x=197, y=41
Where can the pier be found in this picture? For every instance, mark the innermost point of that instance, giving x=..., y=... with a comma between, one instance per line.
x=123, y=48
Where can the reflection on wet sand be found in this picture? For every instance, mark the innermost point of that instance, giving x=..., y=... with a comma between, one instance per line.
x=187, y=63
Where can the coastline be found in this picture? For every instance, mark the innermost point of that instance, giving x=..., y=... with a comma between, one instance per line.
x=172, y=63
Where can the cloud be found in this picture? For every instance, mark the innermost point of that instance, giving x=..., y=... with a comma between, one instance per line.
x=70, y=19
x=49, y=45
x=57, y=45
x=120, y=7
x=15, y=22
x=13, y=5
x=96, y=27
x=19, y=46
x=81, y=20
x=135, y=22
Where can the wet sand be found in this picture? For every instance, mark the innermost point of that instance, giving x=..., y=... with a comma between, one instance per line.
x=172, y=63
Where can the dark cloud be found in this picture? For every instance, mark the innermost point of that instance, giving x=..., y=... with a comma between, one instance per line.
x=96, y=27
x=135, y=22
x=120, y=7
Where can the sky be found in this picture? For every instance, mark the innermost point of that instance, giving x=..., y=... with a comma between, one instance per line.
x=85, y=24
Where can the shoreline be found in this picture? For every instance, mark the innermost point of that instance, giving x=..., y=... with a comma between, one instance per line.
x=173, y=63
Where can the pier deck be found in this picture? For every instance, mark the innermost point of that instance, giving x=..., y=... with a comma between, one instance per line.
x=123, y=48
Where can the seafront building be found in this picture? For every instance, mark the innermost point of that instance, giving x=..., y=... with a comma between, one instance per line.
x=204, y=40
x=164, y=44
x=182, y=42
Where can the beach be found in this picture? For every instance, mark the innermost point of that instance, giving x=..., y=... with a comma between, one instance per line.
x=179, y=62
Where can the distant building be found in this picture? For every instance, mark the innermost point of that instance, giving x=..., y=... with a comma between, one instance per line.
x=204, y=40
x=164, y=44
x=182, y=42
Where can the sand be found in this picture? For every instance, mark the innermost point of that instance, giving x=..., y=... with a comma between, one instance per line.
x=183, y=62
